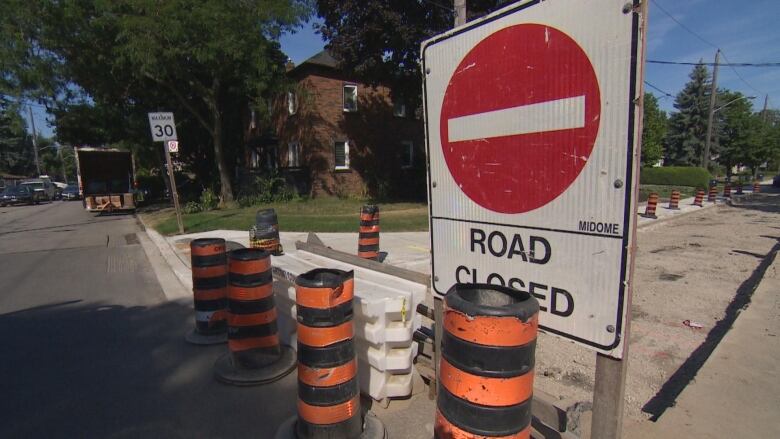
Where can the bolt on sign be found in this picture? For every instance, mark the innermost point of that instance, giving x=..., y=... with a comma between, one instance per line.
x=531, y=128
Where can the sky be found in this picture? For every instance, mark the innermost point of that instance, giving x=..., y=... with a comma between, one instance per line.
x=746, y=31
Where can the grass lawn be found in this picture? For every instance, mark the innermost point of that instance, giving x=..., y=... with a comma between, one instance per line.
x=315, y=215
x=664, y=192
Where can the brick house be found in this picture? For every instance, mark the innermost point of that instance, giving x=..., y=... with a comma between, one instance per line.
x=336, y=136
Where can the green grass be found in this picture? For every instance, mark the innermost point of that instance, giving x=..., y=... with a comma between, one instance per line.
x=664, y=192
x=315, y=215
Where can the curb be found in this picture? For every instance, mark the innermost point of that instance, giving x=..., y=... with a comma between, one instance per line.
x=174, y=276
x=672, y=216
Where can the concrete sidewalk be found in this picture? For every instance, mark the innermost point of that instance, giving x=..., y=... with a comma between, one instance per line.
x=736, y=394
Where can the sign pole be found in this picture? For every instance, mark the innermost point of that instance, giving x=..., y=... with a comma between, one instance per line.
x=610, y=380
x=174, y=191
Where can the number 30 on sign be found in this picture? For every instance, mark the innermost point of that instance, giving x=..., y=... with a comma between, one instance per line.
x=163, y=127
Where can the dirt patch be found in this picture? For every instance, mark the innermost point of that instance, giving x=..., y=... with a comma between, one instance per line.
x=689, y=268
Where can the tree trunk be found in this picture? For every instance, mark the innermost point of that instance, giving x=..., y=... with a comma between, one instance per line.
x=226, y=190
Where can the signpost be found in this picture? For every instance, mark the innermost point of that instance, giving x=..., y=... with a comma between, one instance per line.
x=163, y=128
x=532, y=125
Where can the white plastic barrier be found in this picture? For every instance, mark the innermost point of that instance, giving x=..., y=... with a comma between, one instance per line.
x=385, y=320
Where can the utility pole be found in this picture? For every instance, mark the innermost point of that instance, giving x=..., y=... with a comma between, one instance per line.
x=766, y=103
x=34, y=142
x=460, y=12
x=713, y=97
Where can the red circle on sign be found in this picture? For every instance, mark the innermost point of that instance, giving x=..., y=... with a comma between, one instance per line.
x=520, y=117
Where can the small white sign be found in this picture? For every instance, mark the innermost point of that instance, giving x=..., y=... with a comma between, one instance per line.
x=173, y=146
x=163, y=127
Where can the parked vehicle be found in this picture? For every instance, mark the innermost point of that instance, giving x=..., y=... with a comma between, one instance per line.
x=105, y=178
x=776, y=181
x=21, y=194
x=43, y=188
x=71, y=192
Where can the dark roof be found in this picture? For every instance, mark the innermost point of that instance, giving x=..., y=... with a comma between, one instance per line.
x=324, y=58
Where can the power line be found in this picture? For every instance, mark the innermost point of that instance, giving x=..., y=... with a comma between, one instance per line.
x=738, y=75
x=732, y=65
x=665, y=93
x=702, y=39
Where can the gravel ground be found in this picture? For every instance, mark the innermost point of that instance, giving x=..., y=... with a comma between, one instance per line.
x=689, y=268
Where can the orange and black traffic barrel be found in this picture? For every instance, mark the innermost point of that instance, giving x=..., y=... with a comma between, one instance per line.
x=328, y=390
x=727, y=190
x=255, y=354
x=652, y=203
x=756, y=187
x=712, y=195
x=699, y=199
x=209, y=287
x=487, y=368
x=674, y=201
x=368, y=240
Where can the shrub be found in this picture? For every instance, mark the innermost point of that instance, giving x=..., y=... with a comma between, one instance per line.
x=676, y=176
x=208, y=200
x=265, y=190
x=192, y=207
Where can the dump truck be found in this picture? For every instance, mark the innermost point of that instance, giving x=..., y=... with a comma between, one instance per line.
x=105, y=179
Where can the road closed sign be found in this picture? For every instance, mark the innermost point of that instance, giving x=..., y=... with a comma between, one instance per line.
x=531, y=129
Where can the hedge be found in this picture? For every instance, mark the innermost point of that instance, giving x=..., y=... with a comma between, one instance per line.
x=676, y=176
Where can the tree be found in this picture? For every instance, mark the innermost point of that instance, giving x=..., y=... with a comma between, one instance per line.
x=737, y=130
x=688, y=126
x=654, y=127
x=208, y=63
x=379, y=41
x=16, y=156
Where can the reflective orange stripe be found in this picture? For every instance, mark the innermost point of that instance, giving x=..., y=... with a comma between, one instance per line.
x=253, y=293
x=368, y=254
x=320, y=337
x=368, y=241
x=323, y=298
x=486, y=390
x=327, y=376
x=243, y=344
x=329, y=414
x=219, y=293
x=252, y=319
x=369, y=216
x=216, y=270
x=490, y=331
x=250, y=267
x=446, y=430
x=207, y=250
x=369, y=229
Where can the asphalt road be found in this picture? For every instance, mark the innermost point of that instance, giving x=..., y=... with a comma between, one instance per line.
x=92, y=349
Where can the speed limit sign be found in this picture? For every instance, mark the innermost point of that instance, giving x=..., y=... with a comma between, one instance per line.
x=163, y=126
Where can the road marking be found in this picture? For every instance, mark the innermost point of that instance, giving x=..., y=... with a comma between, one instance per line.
x=560, y=114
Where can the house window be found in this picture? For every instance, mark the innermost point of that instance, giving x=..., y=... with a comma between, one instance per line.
x=292, y=103
x=407, y=153
x=270, y=162
x=350, y=97
x=399, y=109
x=341, y=152
x=293, y=155
x=254, y=159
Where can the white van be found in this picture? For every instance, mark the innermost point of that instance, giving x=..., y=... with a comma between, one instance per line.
x=42, y=187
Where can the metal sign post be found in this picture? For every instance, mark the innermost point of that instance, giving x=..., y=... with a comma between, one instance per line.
x=163, y=128
x=532, y=128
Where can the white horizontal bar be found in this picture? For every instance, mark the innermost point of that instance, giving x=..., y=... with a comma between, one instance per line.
x=560, y=114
